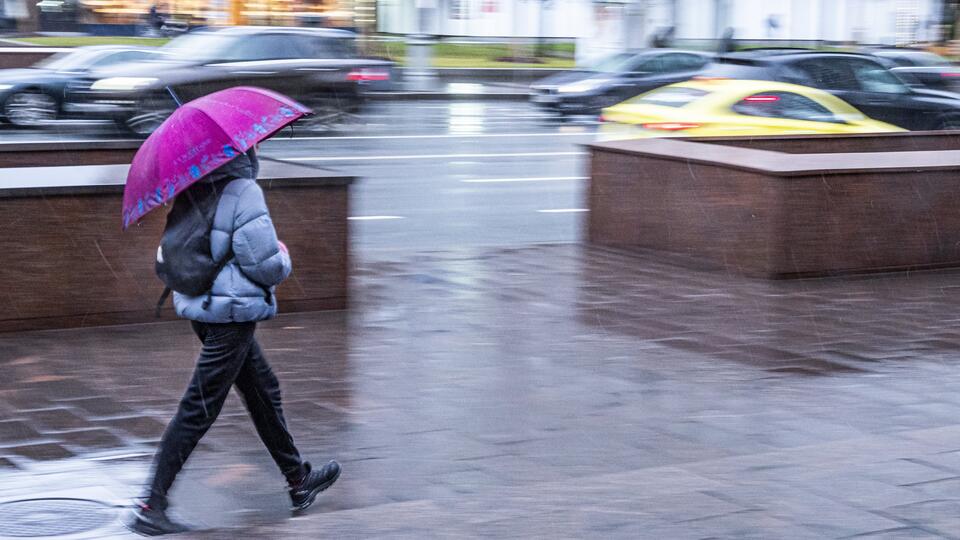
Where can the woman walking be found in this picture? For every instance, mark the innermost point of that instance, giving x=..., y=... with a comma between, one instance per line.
x=221, y=256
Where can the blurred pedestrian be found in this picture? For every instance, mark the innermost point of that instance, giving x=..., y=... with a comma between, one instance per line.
x=155, y=20
x=222, y=223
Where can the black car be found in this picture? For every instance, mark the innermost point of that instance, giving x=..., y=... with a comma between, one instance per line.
x=318, y=67
x=614, y=79
x=859, y=79
x=34, y=96
x=920, y=67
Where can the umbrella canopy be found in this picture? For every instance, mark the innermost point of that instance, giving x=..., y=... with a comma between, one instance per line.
x=199, y=137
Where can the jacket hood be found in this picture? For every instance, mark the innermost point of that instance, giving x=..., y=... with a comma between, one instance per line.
x=243, y=166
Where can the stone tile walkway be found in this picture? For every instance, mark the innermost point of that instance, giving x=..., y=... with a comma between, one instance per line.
x=544, y=391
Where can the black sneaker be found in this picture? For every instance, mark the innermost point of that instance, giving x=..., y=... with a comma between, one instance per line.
x=303, y=495
x=148, y=521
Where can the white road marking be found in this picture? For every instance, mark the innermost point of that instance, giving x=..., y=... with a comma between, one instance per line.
x=372, y=218
x=433, y=156
x=563, y=210
x=529, y=179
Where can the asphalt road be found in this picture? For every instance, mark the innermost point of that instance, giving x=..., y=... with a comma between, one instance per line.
x=439, y=175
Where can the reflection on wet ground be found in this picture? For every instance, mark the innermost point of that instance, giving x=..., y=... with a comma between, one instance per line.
x=544, y=391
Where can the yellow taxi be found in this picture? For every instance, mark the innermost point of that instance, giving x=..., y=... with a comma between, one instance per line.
x=707, y=107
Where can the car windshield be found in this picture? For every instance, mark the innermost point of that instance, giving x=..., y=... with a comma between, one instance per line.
x=210, y=47
x=615, y=63
x=69, y=61
x=677, y=96
x=199, y=46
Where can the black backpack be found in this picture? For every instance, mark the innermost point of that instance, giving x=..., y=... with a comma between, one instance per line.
x=184, y=262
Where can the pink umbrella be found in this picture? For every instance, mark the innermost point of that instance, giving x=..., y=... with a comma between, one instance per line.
x=199, y=137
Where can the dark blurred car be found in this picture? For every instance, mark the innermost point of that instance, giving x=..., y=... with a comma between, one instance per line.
x=34, y=96
x=614, y=79
x=318, y=67
x=859, y=79
x=920, y=67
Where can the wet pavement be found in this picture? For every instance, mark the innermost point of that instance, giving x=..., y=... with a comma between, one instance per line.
x=554, y=391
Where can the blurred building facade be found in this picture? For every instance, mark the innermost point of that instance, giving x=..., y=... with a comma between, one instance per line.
x=129, y=16
x=619, y=24
x=594, y=24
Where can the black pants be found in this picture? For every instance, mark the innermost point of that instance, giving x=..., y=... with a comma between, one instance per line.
x=230, y=356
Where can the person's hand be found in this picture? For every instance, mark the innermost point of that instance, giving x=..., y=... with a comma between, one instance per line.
x=283, y=247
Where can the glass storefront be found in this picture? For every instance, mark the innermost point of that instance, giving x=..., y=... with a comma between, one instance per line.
x=334, y=13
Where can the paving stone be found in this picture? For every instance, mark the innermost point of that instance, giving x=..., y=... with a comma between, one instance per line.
x=14, y=431
x=40, y=452
x=90, y=439
x=57, y=419
x=143, y=427
x=101, y=406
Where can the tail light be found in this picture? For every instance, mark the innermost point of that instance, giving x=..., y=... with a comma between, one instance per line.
x=762, y=99
x=368, y=75
x=949, y=74
x=671, y=126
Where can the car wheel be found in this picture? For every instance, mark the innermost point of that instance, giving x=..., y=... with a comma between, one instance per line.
x=30, y=109
x=152, y=111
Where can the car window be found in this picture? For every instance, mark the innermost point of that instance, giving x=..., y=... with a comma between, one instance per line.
x=738, y=71
x=68, y=61
x=784, y=105
x=121, y=57
x=827, y=73
x=872, y=77
x=327, y=47
x=611, y=64
x=263, y=47
x=650, y=65
x=678, y=62
x=671, y=96
x=899, y=61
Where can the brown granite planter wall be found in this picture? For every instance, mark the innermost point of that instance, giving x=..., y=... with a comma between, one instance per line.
x=65, y=261
x=21, y=57
x=67, y=153
x=778, y=215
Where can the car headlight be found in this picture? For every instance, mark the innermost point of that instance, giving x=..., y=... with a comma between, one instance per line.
x=5, y=87
x=580, y=86
x=123, y=83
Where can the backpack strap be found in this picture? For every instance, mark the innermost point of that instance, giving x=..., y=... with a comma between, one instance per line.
x=220, y=266
x=223, y=264
x=163, y=298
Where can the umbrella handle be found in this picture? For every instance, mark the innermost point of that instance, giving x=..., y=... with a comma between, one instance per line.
x=176, y=99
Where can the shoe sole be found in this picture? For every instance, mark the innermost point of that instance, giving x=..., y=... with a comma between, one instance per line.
x=145, y=529
x=313, y=494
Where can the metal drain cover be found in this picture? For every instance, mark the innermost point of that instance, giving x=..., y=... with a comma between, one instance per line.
x=53, y=517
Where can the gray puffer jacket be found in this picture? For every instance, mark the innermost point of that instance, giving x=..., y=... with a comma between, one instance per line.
x=257, y=262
